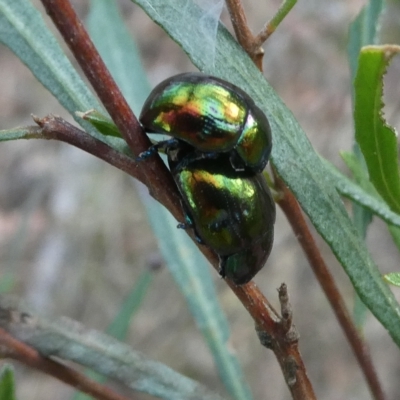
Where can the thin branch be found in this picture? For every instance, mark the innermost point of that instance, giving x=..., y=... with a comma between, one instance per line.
x=56, y=128
x=243, y=34
x=279, y=331
x=165, y=191
x=250, y=43
x=273, y=23
x=239, y=23
x=154, y=170
x=69, y=340
x=291, y=208
x=17, y=350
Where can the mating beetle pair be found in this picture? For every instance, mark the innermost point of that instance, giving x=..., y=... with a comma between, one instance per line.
x=220, y=143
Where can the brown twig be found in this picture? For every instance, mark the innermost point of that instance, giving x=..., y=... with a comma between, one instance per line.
x=66, y=339
x=239, y=22
x=243, y=33
x=270, y=27
x=289, y=205
x=56, y=128
x=250, y=43
x=14, y=349
x=154, y=170
x=291, y=208
x=282, y=338
x=264, y=316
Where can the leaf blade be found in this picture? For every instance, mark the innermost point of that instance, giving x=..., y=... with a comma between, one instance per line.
x=7, y=383
x=376, y=139
x=23, y=31
x=188, y=267
x=361, y=196
x=292, y=154
x=364, y=31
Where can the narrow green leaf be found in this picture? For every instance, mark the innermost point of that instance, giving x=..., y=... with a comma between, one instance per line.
x=7, y=282
x=360, y=312
x=368, y=199
x=393, y=278
x=371, y=199
x=18, y=133
x=23, y=30
x=118, y=51
x=359, y=170
x=187, y=266
x=101, y=122
x=192, y=273
x=395, y=233
x=362, y=216
x=364, y=31
x=69, y=340
x=376, y=139
x=292, y=154
x=120, y=325
x=7, y=384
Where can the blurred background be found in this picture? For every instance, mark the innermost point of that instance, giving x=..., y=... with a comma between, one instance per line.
x=74, y=237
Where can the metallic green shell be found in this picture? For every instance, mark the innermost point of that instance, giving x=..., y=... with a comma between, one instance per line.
x=231, y=212
x=212, y=116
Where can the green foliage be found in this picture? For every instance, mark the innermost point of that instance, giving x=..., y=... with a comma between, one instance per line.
x=363, y=31
x=393, y=278
x=314, y=181
x=101, y=122
x=120, y=325
x=186, y=264
x=292, y=155
x=362, y=192
x=7, y=383
x=20, y=22
x=376, y=139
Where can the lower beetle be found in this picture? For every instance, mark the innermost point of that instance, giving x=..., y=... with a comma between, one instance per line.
x=231, y=212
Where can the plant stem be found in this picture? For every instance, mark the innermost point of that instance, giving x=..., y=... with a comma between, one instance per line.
x=157, y=177
x=291, y=208
x=243, y=32
x=254, y=301
x=280, y=332
x=56, y=128
x=154, y=170
x=239, y=22
x=273, y=23
x=13, y=348
x=69, y=340
x=252, y=44
x=293, y=213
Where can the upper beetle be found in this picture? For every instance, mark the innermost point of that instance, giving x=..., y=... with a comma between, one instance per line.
x=211, y=115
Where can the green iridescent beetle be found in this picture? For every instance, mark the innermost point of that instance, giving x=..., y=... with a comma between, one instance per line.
x=231, y=212
x=211, y=115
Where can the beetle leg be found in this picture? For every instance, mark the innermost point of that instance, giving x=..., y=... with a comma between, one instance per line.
x=222, y=264
x=185, y=226
x=194, y=156
x=188, y=224
x=161, y=146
